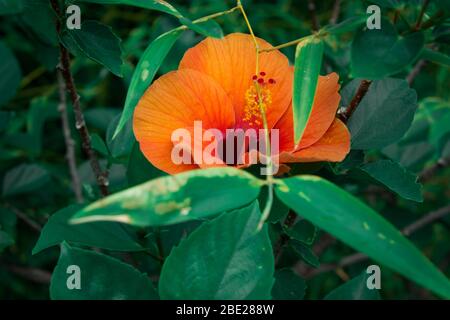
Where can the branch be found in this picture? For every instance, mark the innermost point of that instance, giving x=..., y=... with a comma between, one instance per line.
x=407, y=231
x=312, y=10
x=101, y=178
x=32, y=274
x=415, y=71
x=431, y=171
x=360, y=93
x=422, y=12
x=335, y=13
x=70, y=145
x=23, y=216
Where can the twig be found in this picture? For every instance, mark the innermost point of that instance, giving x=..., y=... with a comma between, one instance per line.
x=312, y=11
x=335, y=13
x=70, y=145
x=408, y=230
x=429, y=172
x=22, y=216
x=360, y=93
x=421, y=14
x=415, y=71
x=102, y=180
x=32, y=274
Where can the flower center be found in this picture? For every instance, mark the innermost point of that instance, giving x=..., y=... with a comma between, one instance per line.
x=257, y=97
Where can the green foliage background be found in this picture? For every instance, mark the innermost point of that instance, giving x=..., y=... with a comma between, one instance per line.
x=399, y=131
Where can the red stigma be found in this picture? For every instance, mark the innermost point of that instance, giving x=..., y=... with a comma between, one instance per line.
x=261, y=80
x=262, y=73
x=255, y=77
x=271, y=81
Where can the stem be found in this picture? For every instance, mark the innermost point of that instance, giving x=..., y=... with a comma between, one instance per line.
x=101, y=178
x=362, y=90
x=269, y=177
x=335, y=12
x=415, y=71
x=422, y=12
x=287, y=44
x=312, y=10
x=70, y=144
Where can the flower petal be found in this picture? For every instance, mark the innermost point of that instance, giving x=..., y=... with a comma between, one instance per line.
x=231, y=61
x=333, y=146
x=175, y=101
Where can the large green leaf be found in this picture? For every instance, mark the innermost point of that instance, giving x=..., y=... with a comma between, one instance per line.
x=105, y=235
x=383, y=115
x=97, y=42
x=102, y=278
x=164, y=6
x=11, y=6
x=344, y=216
x=378, y=53
x=355, y=289
x=144, y=73
x=122, y=144
x=396, y=178
x=225, y=258
x=11, y=74
x=436, y=56
x=288, y=286
x=172, y=199
x=24, y=178
x=308, y=60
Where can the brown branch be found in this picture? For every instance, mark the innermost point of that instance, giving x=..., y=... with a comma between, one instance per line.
x=360, y=93
x=312, y=11
x=335, y=13
x=70, y=144
x=415, y=71
x=80, y=124
x=32, y=274
x=24, y=217
x=408, y=230
x=431, y=171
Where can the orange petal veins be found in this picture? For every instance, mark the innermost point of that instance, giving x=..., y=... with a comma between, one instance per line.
x=175, y=101
x=333, y=146
x=231, y=61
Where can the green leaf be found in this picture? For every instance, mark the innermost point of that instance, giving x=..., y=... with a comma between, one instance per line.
x=104, y=235
x=435, y=56
x=396, y=178
x=5, y=241
x=122, y=144
x=24, y=178
x=308, y=60
x=11, y=7
x=144, y=73
x=378, y=53
x=39, y=18
x=288, y=286
x=173, y=199
x=347, y=218
x=98, y=42
x=99, y=145
x=102, y=278
x=386, y=99
x=223, y=259
x=163, y=6
x=440, y=128
x=305, y=253
x=355, y=289
x=11, y=74
x=303, y=231
x=139, y=169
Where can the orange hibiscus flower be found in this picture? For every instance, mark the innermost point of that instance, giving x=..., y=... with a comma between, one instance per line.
x=216, y=83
